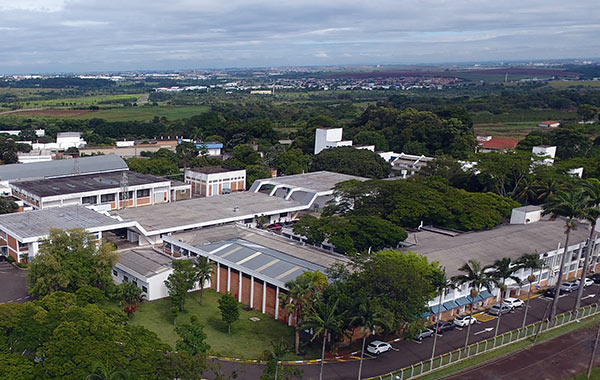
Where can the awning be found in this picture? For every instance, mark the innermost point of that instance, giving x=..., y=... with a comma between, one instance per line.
x=462, y=301
x=449, y=305
x=486, y=294
x=426, y=314
x=435, y=310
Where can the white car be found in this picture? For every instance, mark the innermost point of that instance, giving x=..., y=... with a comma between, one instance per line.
x=377, y=347
x=586, y=283
x=464, y=320
x=513, y=302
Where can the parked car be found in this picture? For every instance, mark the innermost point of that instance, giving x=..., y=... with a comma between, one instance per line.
x=513, y=302
x=569, y=287
x=3, y=258
x=549, y=293
x=596, y=278
x=274, y=227
x=586, y=283
x=377, y=347
x=424, y=334
x=445, y=326
x=497, y=309
x=464, y=320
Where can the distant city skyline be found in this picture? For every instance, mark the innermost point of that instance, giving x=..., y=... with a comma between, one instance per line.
x=42, y=36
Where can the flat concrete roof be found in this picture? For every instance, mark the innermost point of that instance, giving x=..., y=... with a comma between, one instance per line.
x=214, y=169
x=61, y=168
x=145, y=261
x=31, y=225
x=258, y=252
x=85, y=183
x=512, y=240
x=202, y=212
x=315, y=181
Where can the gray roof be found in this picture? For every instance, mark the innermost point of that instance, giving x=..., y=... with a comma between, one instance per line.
x=315, y=181
x=62, y=168
x=37, y=223
x=278, y=259
x=84, y=183
x=510, y=240
x=145, y=261
x=201, y=212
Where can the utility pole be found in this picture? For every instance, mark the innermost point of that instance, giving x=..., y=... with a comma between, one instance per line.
x=591, y=365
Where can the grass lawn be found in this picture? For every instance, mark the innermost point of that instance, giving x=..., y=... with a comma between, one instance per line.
x=144, y=113
x=248, y=340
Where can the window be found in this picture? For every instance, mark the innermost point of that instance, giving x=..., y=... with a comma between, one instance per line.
x=143, y=193
x=89, y=200
x=283, y=215
x=129, y=195
x=107, y=198
x=115, y=273
x=125, y=278
x=145, y=289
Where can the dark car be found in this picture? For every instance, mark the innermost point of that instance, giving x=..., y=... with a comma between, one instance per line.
x=445, y=326
x=549, y=292
x=596, y=278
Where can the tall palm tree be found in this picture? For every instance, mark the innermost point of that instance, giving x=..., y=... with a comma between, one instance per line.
x=476, y=277
x=548, y=188
x=502, y=270
x=532, y=262
x=325, y=320
x=441, y=284
x=528, y=190
x=591, y=213
x=569, y=205
x=103, y=371
x=204, y=270
x=303, y=291
x=368, y=316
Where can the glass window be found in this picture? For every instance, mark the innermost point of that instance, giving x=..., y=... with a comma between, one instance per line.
x=107, y=198
x=143, y=193
x=115, y=273
x=125, y=278
x=91, y=200
x=144, y=289
x=129, y=195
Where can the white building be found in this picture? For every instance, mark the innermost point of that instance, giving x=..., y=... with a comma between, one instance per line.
x=215, y=180
x=545, y=154
x=329, y=138
x=64, y=141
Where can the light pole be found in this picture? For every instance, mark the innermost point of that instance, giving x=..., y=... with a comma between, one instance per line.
x=531, y=279
x=474, y=293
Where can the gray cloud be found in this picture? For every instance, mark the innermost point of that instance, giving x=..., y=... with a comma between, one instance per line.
x=97, y=35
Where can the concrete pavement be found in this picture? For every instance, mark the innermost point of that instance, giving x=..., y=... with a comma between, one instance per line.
x=13, y=284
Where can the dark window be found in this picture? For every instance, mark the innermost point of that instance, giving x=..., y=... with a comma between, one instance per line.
x=125, y=278
x=283, y=215
x=143, y=193
x=107, y=198
x=129, y=195
x=89, y=200
x=144, y=289
x=115, y=273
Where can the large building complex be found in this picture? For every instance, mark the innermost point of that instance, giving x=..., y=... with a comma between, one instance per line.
x=108, y=191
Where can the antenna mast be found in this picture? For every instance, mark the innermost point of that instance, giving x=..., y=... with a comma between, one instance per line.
x=124, y=188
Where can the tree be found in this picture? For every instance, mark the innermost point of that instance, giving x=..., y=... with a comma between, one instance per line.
x=532, y=262
x=504, y=172
x=7, y=206
x=587, y=112
x=502, y=270
x=569, y=205
x=441, y=284
x=273, y=370
x=69, y=260
x=204, y=270
x=302, y=293
x=187, y=152
x=130, y=295
x=477, y=278
x=324, y=319
x=246, y=154
x=103, y=371
x=230, y=310
x=292, y=161
x=349, y=160
x=368, y=316
x=192, y=338
x=181, y=281
x=254, y=172
x=591, y=213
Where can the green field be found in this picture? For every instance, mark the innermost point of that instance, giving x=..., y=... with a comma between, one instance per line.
x=248, y=339
x=561, y=85
x=81, y=101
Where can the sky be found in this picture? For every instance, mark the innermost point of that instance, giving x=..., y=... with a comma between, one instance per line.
x=40, y=36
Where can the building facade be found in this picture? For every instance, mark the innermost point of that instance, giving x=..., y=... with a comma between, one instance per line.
x=215, y=180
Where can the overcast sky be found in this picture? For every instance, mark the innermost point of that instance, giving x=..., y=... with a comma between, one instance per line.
x=100, y=35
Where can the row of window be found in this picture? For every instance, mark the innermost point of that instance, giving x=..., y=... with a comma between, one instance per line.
x=133, y=280
x=105, y=198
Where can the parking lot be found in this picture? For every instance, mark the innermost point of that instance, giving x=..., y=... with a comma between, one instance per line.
x=13, y=284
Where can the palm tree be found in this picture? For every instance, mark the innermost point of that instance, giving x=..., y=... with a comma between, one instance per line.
x=548, y=188
x=591, y=213
x=529, y=261
x=528, y=190
x=440, y=283
x=324, y=320
x=503, y=269
x=477, y=278
x=303, y=291
x=569, y=205
x=368, y=316
x=103, y=371
x=204, y=270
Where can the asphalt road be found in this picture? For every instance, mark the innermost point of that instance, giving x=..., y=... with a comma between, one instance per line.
x=406, y=353
x=13, y=284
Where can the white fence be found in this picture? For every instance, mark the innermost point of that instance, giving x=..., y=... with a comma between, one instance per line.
x=487, y=345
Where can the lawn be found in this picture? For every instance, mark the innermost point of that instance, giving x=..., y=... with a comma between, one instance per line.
x=248, y=340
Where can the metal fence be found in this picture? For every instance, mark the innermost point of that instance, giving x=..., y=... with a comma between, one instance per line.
x=453, y=357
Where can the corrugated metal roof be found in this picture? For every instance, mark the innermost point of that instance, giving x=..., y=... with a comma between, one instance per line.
x=62, y=168
x=146, y=262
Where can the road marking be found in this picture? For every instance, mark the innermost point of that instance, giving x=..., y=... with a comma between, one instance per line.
x=417, y=341
x=484, y=331
x=394, y=348
x=588, y=296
